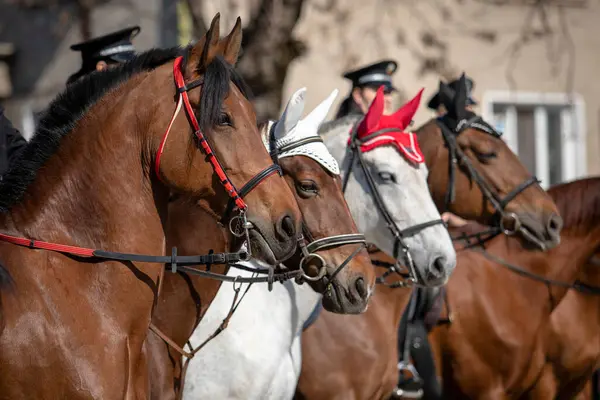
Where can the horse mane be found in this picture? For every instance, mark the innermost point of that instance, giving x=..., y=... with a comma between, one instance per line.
x=329, y=126
x=68, y=108
x=578, y=202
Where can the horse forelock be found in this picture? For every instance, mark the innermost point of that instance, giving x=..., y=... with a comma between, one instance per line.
x=215, y=89
x=578, y=202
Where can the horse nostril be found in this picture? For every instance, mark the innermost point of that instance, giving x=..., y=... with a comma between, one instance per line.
x=361, y=288
x=437, y=268
x=287, y=227
x=555, y=224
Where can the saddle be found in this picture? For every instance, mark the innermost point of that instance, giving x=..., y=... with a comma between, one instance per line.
x=416, y=366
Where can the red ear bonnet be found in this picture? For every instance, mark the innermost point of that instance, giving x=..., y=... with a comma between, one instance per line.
x=395, y=125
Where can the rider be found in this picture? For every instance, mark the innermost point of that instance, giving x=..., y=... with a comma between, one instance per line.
x=11, y=142
x=105, y=51
x=97, y=54
x=365, y=82
x=438, y=107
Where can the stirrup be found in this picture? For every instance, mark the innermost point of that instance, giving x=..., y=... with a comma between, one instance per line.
x=410, y=384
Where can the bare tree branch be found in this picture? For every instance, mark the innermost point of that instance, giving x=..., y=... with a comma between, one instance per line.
x=269, y=48
x=197, y=13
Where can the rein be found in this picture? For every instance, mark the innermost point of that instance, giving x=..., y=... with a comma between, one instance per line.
x=480, y=240
x=577, y=285
x=399, y=234
x=457, y=156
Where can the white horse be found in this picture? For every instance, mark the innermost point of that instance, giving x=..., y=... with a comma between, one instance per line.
x=258, y=356
x=402, y=185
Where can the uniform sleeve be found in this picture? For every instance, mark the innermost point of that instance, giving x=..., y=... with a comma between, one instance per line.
x=15, y=142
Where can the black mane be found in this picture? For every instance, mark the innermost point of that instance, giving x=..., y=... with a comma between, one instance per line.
x=70, y=106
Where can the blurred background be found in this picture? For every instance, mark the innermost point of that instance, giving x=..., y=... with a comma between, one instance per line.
x=534, y=62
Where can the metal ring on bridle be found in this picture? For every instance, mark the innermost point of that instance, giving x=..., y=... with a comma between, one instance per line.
x=245, y=255
x=240, y=227
x=322, y=269
x=517, y=222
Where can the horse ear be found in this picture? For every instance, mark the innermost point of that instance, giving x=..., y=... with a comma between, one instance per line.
x=371, y=120
x=317, y=116
x=460, y=98
x=232, y=43
x=291, y=115
x=205, y=49
x=405, y=114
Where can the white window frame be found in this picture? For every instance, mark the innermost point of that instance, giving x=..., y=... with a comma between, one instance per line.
x=574, y=129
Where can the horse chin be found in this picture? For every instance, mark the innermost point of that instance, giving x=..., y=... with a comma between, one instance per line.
x=261, y=249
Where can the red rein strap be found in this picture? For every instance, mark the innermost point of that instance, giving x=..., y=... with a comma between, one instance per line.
x=220, y=258
x=38, y=244
x=184, y=99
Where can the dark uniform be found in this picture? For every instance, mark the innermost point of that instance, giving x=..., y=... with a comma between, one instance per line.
x=11, y=142
x=434, y=102
x=114, y=48
x=374, y=76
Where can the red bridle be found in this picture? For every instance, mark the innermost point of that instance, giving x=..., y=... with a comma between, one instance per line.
x=237, y=197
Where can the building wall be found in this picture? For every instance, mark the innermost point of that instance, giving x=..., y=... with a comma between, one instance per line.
x=370, y=31
x=42, y=39
x=428, y=38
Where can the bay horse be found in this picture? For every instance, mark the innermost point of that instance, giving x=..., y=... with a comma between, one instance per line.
x=369, y=342
x=572, y=345
x=98, y=173
x=313, y=175
x=462, y=151
x=491, y=350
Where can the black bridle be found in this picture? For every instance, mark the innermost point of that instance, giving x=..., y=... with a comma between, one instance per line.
x=457, y=156
x=312, y=246
x=400, y=245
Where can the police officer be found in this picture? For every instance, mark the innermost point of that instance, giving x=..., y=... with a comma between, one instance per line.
x=97, y=54
x=365, y=83
x=105, y=51
x=11, y=143
x=438, y=107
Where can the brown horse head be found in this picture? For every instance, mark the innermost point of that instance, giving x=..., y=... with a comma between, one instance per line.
x=218, y=99
x=474, y=174
x=313, y=174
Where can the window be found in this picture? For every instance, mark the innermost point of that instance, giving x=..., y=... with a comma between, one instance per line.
x=546, y=131
x=559, y=3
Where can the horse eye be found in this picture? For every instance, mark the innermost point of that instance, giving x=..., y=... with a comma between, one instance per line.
x=486, y=157
x=224, y=120
x=387, y=177
x=307, y=187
